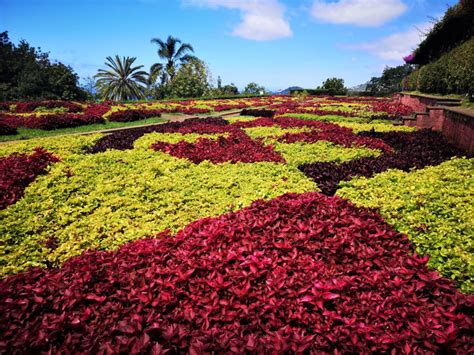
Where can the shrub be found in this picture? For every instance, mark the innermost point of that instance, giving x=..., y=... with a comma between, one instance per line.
x=452, y=73
x=410, y=82
x=452, y=30
x=297, y=274
x=433, y=206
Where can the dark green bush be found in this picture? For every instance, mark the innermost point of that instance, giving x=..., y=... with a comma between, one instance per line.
x=452, y=73
x=456, y=27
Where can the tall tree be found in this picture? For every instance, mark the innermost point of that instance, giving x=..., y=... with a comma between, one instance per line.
x=122, y=81
x=26, y=73
x=174, y=52
x=191, y=80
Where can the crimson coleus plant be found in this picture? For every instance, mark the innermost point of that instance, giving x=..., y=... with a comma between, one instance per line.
x=299, y=273
x=320, y=131
x=51, y=121
x=237, y=147
x=17, y=171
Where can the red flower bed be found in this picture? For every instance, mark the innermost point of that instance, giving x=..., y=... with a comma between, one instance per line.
x=225, y=107
x=97, y=109
x=237, y=147
x=412, y=150
x=52, y=121
x=393, y=109
x=18, y=171
x=23, y=107
x=298, y=273
x=133, y=115
x=322, y=131
x=124, y=139
x=192, y=110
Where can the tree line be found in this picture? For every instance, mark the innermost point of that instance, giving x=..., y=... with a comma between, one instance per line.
x=27, y=73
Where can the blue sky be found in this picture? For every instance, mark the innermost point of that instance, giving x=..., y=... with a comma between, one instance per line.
x=276, y=43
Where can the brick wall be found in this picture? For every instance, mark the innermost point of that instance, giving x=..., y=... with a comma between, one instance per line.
x=457, y=127
x=416, y=103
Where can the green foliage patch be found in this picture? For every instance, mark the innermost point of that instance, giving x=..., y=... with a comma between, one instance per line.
x=300, y=153
x=375, y=126
x=433, y=206
x=61, y=146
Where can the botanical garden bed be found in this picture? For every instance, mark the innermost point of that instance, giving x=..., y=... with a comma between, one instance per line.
x=223, y=235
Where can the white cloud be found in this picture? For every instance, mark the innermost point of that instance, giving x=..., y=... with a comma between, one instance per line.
x=367, y=13
x=261, y=19
x=397, y=45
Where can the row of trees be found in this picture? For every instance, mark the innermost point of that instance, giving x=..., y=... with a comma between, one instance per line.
x=26, y=73
x=181, y=74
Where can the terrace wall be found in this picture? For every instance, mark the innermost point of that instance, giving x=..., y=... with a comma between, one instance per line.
x=456, y=124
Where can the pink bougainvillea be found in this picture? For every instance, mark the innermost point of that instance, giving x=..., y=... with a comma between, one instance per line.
x=300, y=273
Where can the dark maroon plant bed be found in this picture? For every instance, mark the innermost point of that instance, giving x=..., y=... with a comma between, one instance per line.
x=411, y=150
x=258, y=112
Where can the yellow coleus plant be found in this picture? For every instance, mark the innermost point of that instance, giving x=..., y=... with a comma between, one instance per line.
x=433, y=206
x=62, y=146
x=104, y=200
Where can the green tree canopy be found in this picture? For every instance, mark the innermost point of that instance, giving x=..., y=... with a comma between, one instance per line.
x=26, y=73
x=335, y=86
x=390, y=81
x=254, y=89
x=191, y=80
x=230, y=89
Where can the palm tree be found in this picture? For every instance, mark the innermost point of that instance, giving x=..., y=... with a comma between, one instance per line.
x=174, y=52
x=121, y=81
